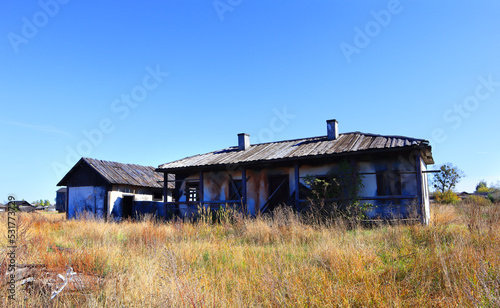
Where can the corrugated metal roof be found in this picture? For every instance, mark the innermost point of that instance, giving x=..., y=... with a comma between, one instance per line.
x=126, y=174
x=299, y=148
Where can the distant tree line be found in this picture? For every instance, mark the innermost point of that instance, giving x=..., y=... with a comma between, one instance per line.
x=41, y=202
x=492, y=192
x=448, y=177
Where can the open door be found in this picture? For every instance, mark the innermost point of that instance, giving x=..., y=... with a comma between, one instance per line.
x=127, y=207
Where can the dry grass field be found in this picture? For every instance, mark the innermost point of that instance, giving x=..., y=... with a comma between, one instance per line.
x=263, y=262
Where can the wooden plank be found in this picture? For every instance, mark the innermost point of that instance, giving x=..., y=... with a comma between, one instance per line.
x=200, y=188
x=266, y=205
x=382, y=198
x=373, y=198
x=244, y=188
x=66, y=206
x=203, y=202
x=165, y=192
x=297, y=184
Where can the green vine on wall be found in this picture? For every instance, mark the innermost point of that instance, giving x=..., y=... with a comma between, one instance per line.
x=336, y=195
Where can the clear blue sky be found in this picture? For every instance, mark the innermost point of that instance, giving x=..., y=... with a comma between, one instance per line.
x=154, y=81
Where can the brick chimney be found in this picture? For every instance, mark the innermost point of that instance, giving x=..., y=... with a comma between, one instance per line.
x=332, y=127
x=243, y=141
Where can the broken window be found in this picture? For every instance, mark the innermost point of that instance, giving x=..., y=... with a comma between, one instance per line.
x=235, y=189
x=310, y=183
x=388, y=183
x=318, y=187
x=192, y=194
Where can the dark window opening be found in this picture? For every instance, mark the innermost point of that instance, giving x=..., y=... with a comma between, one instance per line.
x=388, y=183
x=157, y=196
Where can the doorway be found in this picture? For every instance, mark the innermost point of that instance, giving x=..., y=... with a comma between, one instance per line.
x=127, y=207
x=279, y=191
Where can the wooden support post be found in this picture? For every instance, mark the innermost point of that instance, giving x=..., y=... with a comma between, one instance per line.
x=165, y=192
x=200, y=188
x=297, y=185
x=244, y=189
x=420, y=193
x=106, y=203
x=66, y=206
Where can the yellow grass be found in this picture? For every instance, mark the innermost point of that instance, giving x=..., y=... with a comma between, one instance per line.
x=264, y=262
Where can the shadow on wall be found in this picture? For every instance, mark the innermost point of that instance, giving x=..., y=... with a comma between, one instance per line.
x=116, y=213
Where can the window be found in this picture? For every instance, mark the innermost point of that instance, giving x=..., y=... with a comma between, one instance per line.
x=235, y=189
x=314, y=183
x=388, y=183
x=192, y=191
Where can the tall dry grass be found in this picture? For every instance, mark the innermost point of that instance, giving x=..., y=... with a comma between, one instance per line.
x=277, y=261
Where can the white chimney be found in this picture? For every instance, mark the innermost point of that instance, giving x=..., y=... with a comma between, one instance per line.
x=332, y=127
x=243, y=141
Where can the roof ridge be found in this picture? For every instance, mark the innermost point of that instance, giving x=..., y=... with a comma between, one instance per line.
x=114, y=162
x=387, y=136
x=319, y=137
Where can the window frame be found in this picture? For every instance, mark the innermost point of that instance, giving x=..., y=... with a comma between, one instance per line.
x=192, y=191
x=389, y=183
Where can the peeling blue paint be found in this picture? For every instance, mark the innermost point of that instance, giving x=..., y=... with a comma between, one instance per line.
x=87, y=200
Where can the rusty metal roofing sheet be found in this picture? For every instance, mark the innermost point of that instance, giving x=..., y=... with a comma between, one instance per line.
x=306, y=147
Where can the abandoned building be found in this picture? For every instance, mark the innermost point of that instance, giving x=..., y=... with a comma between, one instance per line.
x=258, y=177
x=61, y=200
x=105, y=189
x=21, y=205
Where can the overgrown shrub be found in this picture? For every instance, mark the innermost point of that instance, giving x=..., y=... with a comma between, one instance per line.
x=447, y=197
x=494, y=196
x=477, y=200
